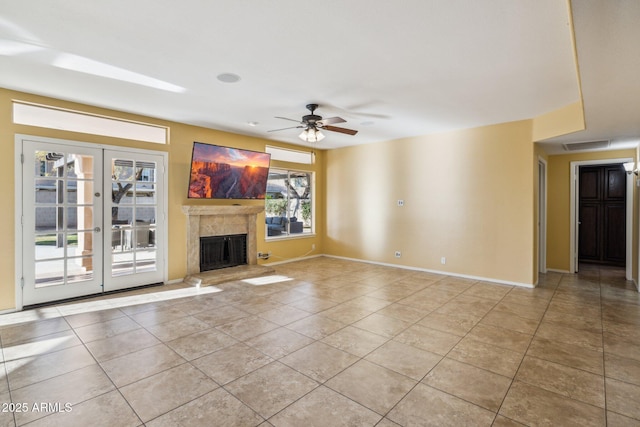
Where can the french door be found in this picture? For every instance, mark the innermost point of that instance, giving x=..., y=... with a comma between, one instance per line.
x=134, y=219
x=92, y=220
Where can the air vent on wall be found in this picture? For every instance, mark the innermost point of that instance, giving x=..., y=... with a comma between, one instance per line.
x=583, y=146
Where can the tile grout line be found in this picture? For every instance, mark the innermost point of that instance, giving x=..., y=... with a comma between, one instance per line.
x=527, y=350
x=556, y=292
x=604, y=357
x=444, y=357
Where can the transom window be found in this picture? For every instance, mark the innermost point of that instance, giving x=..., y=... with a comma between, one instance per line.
x=289, y=203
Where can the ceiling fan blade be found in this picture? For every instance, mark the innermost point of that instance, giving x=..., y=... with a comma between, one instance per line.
x=331, y=120
x=284, y=118
x=292, y=127
x=341, y=130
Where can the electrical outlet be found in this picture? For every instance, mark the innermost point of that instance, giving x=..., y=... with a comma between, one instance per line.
x=400, y=202
x=398, y=254
x=443, y=260
x=313, y=246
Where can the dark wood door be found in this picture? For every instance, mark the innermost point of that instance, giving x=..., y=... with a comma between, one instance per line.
x=602, y=215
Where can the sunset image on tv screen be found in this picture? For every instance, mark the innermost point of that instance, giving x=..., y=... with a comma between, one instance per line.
x=227, y=173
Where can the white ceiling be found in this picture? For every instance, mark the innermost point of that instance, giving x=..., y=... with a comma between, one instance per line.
x=608, y=45
x=391, y=69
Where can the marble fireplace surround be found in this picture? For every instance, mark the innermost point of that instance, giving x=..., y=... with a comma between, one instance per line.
x=205, y=221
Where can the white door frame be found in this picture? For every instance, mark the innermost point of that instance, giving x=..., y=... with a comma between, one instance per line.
x=542, y=215
x=18, y=188
x=574, y=229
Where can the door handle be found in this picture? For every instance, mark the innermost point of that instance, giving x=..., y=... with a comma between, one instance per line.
x=97, y=229
x=97, y=194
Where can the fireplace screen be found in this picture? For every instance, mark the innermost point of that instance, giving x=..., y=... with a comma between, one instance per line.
x=222, y=251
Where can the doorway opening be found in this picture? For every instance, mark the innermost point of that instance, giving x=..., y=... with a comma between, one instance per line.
x=587, y=225
x=542, y=215
x=601, y=215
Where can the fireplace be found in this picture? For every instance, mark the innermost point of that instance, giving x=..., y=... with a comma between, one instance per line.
x=215, y=221
x=222, y=251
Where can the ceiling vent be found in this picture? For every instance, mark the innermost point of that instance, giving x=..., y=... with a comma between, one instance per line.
x=584, y=146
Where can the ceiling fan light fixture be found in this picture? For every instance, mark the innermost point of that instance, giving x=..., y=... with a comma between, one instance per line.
x=311, y=135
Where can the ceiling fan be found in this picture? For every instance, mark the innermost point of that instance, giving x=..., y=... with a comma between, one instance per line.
x=312, y=124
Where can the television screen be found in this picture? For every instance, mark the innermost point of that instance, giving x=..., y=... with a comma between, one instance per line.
x=227, y=173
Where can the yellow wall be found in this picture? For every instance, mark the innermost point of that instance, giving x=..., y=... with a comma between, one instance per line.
x=467, y=197
x=179, y=149
x=470, y=196
x=559, y=122
x=559, y=207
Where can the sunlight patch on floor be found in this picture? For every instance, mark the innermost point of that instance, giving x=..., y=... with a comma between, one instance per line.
x=267, y=280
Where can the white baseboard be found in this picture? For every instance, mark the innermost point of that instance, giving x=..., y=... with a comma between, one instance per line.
x=288, y=260
x=556, y=270
x=445, y=273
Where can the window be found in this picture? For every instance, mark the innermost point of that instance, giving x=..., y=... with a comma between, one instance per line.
x=289, y=203
x=289, y=155
x=78, y=121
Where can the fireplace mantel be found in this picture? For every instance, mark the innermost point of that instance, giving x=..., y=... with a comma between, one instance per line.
x=205, y=221
x=191, y=210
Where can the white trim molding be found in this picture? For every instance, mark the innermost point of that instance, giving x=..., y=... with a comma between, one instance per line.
x=574, y=181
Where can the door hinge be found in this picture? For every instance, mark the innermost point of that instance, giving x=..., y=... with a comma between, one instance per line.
x=22, y=158
x=22, y=282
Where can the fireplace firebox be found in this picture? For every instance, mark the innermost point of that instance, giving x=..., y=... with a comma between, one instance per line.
x=222, y=251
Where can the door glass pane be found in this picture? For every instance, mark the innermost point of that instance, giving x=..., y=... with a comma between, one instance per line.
x=79, y=166
x=80, y=192
x=80, y=218
x=122, y=193
x=146, y=215
x=48, y=164
x=133, y=216
x=122, y=170
x=141, y=236
x=121, y=215
x=70, y=167
x=46, y=191
x=49, y=273
x=80, y=243
x=79, y=269
x=145, y=261
x=47, y=218
x=49, y=246
x=145, y=171
x=145, y=194
x=71, y=193
x=122, y=263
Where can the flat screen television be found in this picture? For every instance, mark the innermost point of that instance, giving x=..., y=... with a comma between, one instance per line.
x=227, y=173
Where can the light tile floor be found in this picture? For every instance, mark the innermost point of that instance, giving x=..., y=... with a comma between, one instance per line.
x=331, y=342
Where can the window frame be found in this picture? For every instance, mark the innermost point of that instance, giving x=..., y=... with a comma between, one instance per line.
x=51, y=117
x=290, y=155
x=287, y=234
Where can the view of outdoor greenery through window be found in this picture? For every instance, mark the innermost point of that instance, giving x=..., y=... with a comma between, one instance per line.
x=289, y=203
